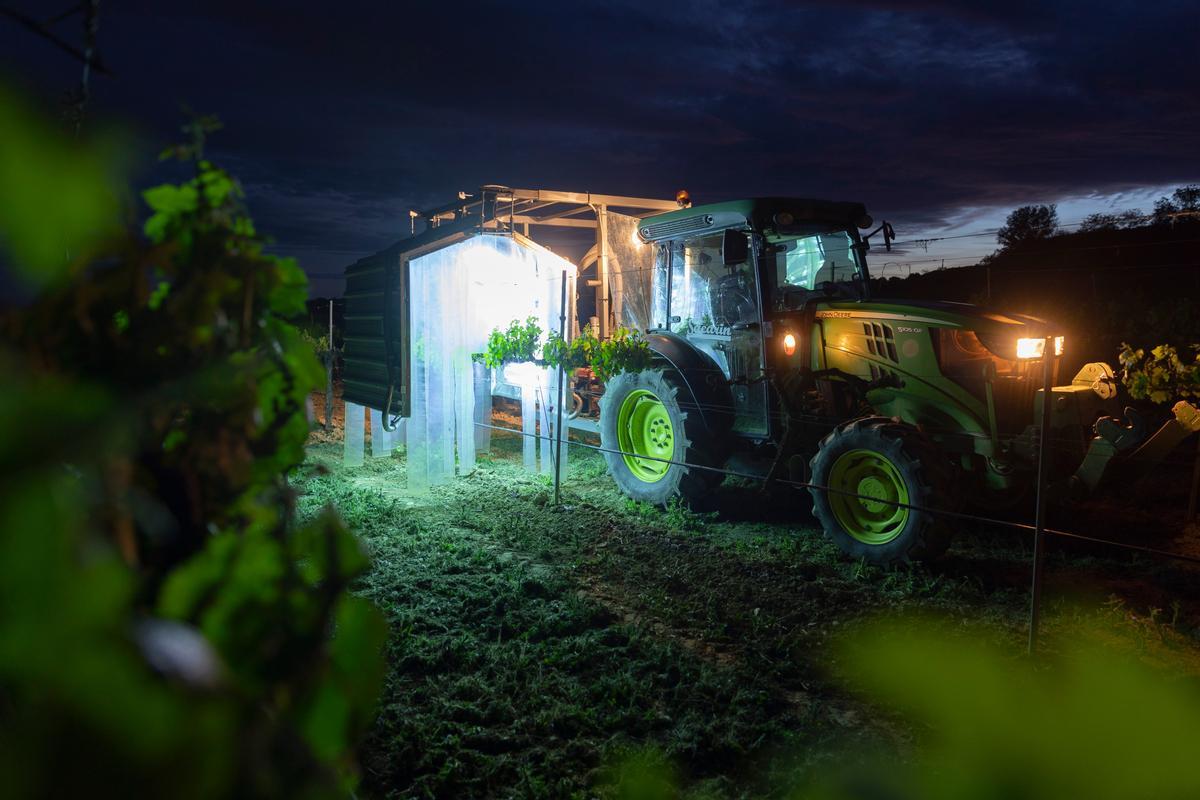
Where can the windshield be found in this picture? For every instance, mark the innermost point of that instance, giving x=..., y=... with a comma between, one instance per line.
x=799, y=264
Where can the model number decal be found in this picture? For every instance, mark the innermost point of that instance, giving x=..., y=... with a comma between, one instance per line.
x=903, y=329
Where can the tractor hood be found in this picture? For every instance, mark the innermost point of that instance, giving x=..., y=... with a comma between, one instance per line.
x=941, y=313
x=1000, y=333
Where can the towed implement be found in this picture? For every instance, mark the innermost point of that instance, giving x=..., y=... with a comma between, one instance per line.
x=771, y=358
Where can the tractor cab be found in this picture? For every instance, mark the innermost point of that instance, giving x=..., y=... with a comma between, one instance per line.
x=728, y=276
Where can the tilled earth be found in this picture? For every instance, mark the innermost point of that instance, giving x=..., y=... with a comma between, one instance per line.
x=536, y=648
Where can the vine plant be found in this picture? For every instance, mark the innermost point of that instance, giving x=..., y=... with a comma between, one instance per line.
x=1162, y=375
x=164, y=618
x=626, y=351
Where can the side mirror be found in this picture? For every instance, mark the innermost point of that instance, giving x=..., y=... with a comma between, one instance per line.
x=735, y=249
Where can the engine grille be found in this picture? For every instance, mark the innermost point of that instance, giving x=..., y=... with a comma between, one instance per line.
x=881, y=341
x=1014, y=396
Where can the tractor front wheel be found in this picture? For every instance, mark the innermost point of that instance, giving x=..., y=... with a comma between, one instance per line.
x=881, y=477
x=655, y=440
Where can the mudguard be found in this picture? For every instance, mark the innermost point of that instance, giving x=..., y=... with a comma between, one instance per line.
x=709, y=392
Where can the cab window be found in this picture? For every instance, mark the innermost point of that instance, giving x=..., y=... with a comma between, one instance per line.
x=803, y=263
x=705, y=294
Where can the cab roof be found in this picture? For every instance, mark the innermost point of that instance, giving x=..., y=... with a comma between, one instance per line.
x=759, y=212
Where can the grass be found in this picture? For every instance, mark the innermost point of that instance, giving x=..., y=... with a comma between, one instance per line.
x=535, y=649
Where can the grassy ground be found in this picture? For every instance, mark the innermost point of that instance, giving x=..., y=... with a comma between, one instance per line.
x=535, y=647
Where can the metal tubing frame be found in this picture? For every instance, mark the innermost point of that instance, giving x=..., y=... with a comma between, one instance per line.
x=602, y=304
x=560, y=395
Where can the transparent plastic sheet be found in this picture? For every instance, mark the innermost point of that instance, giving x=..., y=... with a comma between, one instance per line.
x=382, y=442
x=529, y=426
x=458, y=295
x=630, y=262
x=482, y=413
x=354, y=432
x=548, y=420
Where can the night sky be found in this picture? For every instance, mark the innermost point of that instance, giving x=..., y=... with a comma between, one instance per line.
x=941, y=117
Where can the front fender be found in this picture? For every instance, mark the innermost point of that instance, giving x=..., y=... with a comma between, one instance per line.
x=709, y=393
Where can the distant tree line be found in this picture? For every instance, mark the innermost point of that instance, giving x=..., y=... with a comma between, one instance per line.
x=1040, y=222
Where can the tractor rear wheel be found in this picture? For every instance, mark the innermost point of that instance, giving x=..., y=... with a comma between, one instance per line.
x=882, y=475
x=655, y=445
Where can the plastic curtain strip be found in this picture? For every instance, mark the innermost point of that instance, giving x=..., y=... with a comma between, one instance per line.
x=630, y=265
x=458, y=295
x=354, y=433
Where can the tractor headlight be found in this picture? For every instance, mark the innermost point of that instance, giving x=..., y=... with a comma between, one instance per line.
x=789, y=344
x=1030, y=348
x=1036, y=348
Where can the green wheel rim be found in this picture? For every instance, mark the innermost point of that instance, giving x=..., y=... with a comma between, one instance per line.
x=868, y=484
x=644, y=429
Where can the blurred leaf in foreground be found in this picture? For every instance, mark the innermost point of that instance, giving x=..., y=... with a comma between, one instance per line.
x=59, y=195
x=167, y=629
x=1089, y=723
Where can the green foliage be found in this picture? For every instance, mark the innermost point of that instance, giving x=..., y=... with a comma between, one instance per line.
x=625, y=351
x=1088, y=723
x=317, y=337
x=1162, y=376
x=59, y=200
x=163, y=619
x=517, y=343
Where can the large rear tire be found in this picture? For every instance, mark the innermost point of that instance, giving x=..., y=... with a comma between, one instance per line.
x=884, y=475
x=655, y=446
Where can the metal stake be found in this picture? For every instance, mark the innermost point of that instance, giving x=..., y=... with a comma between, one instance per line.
x=1039, y=521
x=559, y=393
x=329, y=375
x=1194, y=494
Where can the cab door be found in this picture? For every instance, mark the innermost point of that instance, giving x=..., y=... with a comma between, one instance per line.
x=718, y=308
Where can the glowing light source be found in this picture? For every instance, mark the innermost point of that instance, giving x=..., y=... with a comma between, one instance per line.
x=789, y=344
x=1030, y=348
x=1036, y=348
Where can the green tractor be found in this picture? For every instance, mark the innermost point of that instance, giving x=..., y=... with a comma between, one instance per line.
x=771, y=359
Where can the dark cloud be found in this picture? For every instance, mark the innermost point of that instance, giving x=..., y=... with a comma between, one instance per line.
x=340, y=117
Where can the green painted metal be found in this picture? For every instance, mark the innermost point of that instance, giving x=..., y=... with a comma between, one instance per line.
x=644, y=429
x=892, y=345
x=742, y=207
x=867, y=488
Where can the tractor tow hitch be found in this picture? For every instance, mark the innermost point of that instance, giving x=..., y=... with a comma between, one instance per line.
x=1115, y=437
